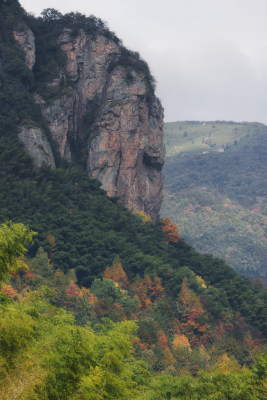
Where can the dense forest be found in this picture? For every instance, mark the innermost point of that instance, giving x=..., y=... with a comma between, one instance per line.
x=119, y=338
x=215, y=190
x=105, y=304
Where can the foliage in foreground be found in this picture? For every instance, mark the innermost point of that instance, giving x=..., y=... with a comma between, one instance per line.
x=44, y=355
x=56, y=341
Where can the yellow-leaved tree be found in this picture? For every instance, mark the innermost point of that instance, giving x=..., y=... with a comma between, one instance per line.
x=145, y=218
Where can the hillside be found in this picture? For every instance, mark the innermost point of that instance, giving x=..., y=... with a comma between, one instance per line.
x=215, y=190
x=107, y=303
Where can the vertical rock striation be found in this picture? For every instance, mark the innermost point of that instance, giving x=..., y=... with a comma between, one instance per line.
x=37, y=145
x=126, y=152
x=111, y=111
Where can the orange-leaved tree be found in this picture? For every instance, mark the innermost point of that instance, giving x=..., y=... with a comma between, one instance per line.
x=171, y=230
x=117, y=274
x=194, y=318
x=148, y=290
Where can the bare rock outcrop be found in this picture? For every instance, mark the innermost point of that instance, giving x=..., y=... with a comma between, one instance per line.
x=25, y=38
x=125, y=138
x=126, y=152
x=59, y=116
x=37, y=145
x=86, y=67
x=111, y=111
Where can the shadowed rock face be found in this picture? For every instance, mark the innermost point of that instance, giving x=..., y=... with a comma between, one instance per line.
x=126, y=152
x=116, y=120
x=37, y=145
x=25, y=38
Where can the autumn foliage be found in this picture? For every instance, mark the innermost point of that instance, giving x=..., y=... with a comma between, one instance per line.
x=181, y=342
x=170, y=230
x=179, y=339
x=174, y=337
x=117, y=274
x=145, y=218
x=193, y=314
x=73, y=291
x=148, y=290
x=8, y=290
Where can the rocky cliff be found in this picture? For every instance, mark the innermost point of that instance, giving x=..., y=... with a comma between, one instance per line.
x=108, y=108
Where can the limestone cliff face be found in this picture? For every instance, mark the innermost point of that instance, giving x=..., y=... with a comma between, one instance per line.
x=126, y=152
x=37, y=145
x=115, y=118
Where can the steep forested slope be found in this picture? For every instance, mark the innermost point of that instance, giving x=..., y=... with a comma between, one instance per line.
x=215, y=190
x=83, y=229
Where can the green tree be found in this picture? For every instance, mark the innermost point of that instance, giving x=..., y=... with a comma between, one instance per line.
x=13, y=239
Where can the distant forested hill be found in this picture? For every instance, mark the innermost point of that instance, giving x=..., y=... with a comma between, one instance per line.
x=216, y=187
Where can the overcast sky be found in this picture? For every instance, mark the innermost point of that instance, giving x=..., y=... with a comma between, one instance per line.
x=209, y=57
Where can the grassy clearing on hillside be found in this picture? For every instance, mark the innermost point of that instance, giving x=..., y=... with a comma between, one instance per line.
x=193, y=137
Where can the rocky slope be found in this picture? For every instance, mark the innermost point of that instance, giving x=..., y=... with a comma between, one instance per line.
x=109, y=111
